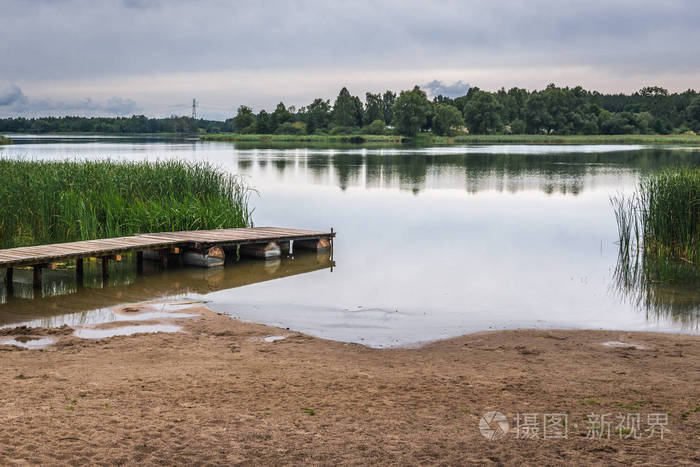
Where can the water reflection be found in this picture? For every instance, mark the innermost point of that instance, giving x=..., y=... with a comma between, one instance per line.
x=556, y=173
x=62, y=301
x=677, y=303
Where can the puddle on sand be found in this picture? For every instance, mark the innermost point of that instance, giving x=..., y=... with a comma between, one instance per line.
x=29, y=342
x=274, y=338
x=152, y=311
x=623, y=345
x=136, y=311
x=100, y=333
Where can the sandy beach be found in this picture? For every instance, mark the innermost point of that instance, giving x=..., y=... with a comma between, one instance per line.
x=222, y=392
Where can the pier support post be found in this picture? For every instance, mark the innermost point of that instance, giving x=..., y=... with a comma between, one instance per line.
x=314, y=245
x=261, y=250
x=160, y=255
x=9, y=273
x=284, y=247
x=79, y=271
x=37, y=276
x=105, y=269
x=205, y=258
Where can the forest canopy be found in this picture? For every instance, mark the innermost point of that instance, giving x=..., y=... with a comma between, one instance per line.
x=553, y=110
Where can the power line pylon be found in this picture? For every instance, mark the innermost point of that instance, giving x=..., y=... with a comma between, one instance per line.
x=194, y=109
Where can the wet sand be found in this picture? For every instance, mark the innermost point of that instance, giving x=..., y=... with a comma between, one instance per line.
x=219, y=392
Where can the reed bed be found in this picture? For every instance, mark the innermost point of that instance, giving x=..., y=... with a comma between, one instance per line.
x=5, y=140
x=659, y=227
x=52, y=202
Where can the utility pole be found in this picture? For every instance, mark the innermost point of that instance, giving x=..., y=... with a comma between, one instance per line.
x=194, y=109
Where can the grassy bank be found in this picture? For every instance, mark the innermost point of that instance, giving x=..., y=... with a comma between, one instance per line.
x=568, y=139
x=659, y=227
x=392, y=139
x=50, y=202
x=5, y=140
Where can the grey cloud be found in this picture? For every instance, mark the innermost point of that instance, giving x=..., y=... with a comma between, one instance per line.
x=52, y=47
x=456, y=89
x=81, y=38
x=117, y=105
x=11, y=94
x=141, y=4
x=14, y=102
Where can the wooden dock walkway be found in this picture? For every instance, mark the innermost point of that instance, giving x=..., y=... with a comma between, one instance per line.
x=197, y=247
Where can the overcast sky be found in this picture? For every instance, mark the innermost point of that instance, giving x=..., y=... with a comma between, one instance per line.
x=118, y=57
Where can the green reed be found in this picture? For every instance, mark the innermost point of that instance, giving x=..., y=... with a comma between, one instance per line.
x=52, y=202
x=659, y=226
x=5, y=140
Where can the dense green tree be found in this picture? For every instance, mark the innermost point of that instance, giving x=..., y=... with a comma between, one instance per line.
x=347, y=110
x=317, y=115
x=446, y=119
x=517, y=127
x=291, y=128
x=411, y=111
x=615, y=123
x=653, y=91
x=388, y=100
x=279, y=116
x=513, y=103
x=377, y=127
x=374, y=108
x=244, y=118
x=694, y=114
x=482, y=113
x=263, y=123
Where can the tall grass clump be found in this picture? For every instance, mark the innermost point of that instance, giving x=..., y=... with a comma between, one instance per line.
x=5, y=140
x=53, y=202
x=659, y=246
x=659, y=226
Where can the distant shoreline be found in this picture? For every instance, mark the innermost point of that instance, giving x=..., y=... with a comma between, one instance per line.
x=420, y=140
x=462, y=139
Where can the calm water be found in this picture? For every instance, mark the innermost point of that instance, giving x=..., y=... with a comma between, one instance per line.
x=432, y=242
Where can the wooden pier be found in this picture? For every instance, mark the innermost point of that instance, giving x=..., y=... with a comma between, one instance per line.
x=195, y=247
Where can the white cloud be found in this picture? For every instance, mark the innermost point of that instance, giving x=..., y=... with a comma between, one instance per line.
x=439, y=88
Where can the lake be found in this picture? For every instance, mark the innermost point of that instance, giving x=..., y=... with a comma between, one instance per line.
x=432, y=242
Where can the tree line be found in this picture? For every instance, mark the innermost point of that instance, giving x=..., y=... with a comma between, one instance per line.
x=136, y=124
x=553, y=110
